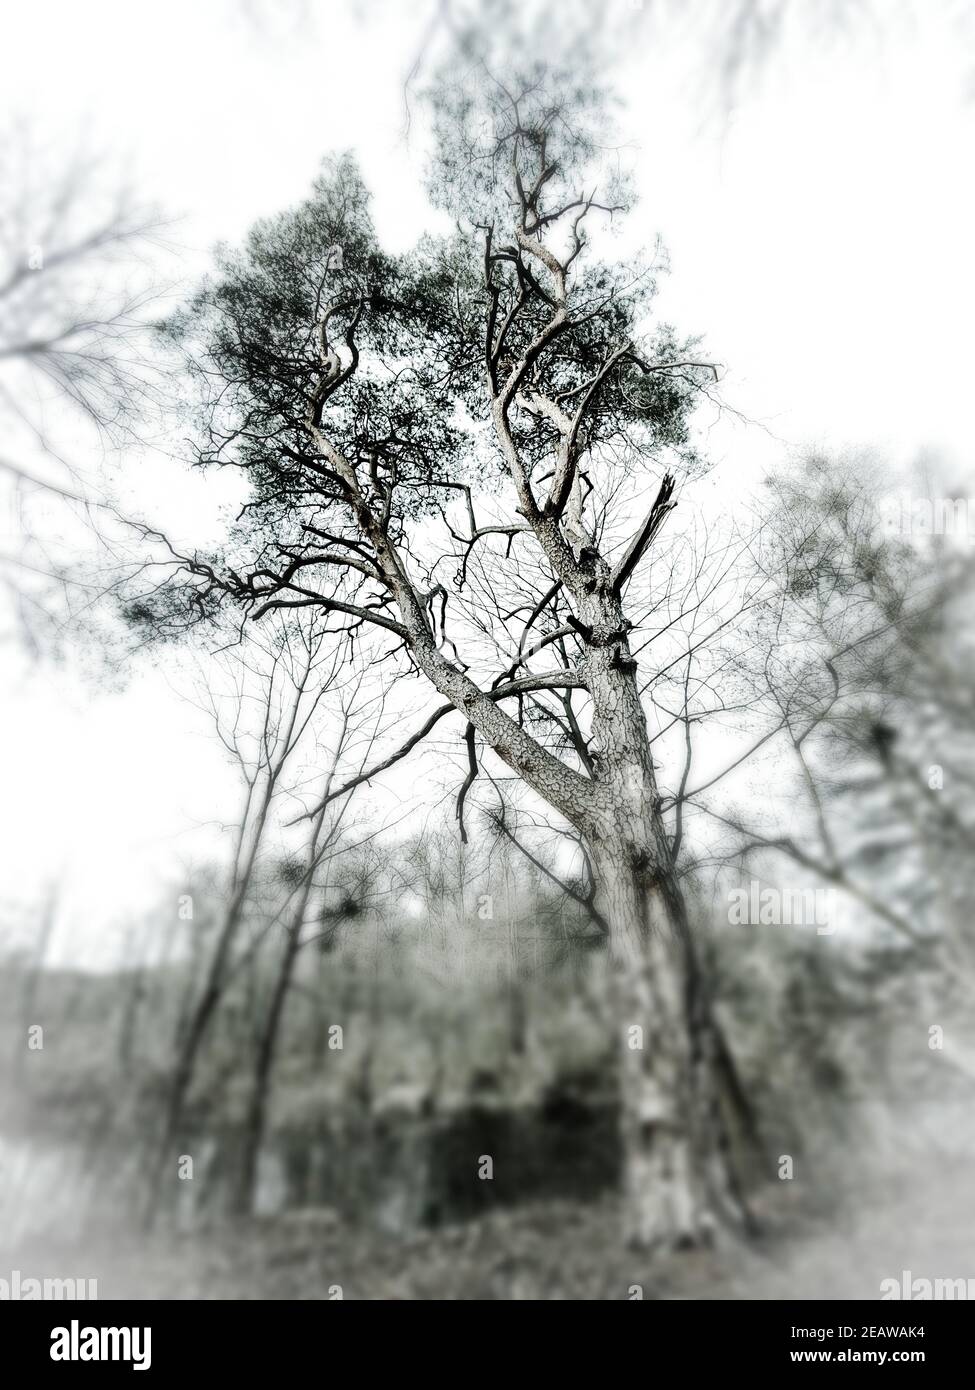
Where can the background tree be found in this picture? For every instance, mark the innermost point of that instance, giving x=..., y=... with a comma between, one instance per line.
x=278, y=687
x=355, y=726
x=77, y=294
x=877, y=707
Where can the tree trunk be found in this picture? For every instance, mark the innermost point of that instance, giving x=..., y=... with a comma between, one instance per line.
x=675, y=1176
x=678, y=1177
x=188, y=1048
x=663, y=1197
x=256, y=1120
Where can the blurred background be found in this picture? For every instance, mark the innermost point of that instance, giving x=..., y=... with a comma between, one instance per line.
x=335, y=1018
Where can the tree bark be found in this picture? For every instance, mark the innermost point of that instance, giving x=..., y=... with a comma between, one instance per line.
x=663, y=1193
x=676, y=1164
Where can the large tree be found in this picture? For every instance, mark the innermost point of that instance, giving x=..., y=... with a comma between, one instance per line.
x=460, y=435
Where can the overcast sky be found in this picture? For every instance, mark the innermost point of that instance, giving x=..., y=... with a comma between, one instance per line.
x=820, y=237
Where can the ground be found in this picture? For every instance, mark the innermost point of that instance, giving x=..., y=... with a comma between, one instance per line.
x=553, y=1251
x=866, y=1212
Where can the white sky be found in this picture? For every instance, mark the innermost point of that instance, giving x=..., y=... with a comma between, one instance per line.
x=821, y=239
